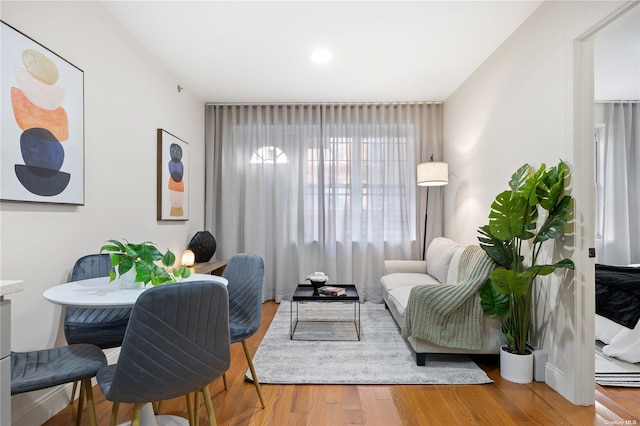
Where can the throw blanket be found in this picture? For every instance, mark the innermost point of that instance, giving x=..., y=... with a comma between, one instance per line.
x=450, y=314
x=618, y=294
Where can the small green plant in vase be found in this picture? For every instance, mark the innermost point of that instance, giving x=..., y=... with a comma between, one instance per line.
x=534, y=210
x=144, y=259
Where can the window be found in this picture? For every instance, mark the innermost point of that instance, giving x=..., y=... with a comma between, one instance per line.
x=356, y=178
x=268, y=155
x=599, y=141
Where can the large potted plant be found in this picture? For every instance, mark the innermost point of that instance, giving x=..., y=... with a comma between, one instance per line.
x=534, y=210
x=143, y=262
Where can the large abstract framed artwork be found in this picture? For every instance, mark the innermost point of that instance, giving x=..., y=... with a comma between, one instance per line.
x=173, y=177
x=41, y=123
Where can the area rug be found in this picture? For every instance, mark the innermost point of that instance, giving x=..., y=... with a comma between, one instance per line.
x=382, y=356
x=614, y=372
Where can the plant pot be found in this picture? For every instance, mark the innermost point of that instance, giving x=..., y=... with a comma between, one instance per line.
x=516, y=368
x=127, y=281
x=316, y=285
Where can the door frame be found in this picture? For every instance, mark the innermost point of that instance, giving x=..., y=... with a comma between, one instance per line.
x=579, y=385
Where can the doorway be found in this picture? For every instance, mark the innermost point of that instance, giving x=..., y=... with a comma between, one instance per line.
x=581, y=77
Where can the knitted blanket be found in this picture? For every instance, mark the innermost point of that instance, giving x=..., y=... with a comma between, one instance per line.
x=450, y=314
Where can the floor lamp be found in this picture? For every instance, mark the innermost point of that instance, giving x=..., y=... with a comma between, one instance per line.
x=433, y=173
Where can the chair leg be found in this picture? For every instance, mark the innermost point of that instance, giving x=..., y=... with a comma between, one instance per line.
x=81, y=398
x=207, y=403
x=91, y=407
x=187, y=398
x=253, y=371
x=137, y=412
x=73, y=392
x=196, y=409
x=114, y=413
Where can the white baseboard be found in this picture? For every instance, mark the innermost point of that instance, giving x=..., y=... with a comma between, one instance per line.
x=35, y=408
x=556, y=379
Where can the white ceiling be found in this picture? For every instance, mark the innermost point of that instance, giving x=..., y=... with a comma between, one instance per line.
x=240, y=51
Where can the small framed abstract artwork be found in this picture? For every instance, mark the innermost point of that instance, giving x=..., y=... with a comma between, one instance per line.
x=41, y=123
x=173, y=177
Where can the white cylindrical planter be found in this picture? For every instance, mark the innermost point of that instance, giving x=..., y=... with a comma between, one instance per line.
x=516, y=368
x=127, y=281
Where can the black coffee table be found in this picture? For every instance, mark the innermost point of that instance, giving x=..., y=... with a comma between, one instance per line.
x=305, y=293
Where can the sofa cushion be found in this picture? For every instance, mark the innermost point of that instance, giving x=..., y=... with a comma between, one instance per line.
x=400, y=297
x=439, y=254
x=452, y=276
x=405, y=279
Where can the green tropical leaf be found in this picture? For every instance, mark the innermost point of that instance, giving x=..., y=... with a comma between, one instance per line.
x=547, y=269
x=556, y=221
x=498, y=250
x=115, y=259
x=553, y=185
x=509, y=216
x=182, y=272
x=126, y=263
x=492, y=302
x=529, y=189
x=169, y=258
x=519, y=177
x=509, y=282
x=110, y=248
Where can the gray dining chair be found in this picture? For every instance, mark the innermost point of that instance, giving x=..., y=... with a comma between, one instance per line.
x=46, y=368
x=176, y=344
x=103, y=327
x=245, y=274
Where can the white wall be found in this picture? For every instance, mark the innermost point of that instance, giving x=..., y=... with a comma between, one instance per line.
x=517, y=108
x=128, y=95
x=617, y=61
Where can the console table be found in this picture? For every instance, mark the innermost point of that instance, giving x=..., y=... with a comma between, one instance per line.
x=6, y=287
x=213, y=267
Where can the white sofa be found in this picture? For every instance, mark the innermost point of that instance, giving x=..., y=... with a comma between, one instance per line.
x=440, y=267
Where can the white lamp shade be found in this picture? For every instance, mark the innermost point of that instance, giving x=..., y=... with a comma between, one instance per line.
x=433, y=173
x=188, y=258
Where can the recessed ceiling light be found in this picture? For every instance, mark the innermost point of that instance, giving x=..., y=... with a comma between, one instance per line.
x=321, y=56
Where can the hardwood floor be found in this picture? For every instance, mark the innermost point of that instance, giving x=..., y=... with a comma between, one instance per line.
x=499, y=403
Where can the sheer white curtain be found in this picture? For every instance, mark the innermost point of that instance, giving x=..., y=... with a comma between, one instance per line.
x=621, y=210
x=327, y=187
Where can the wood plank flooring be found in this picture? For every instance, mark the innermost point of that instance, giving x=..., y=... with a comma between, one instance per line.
x=499, y=403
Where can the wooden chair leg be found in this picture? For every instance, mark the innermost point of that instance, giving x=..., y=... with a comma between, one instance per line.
x=114, y=413
x=253, y=371
x=81, y=398
x=91, y=407
x=73, y=392
x=207, y=403
x=196, y=408
x=187, y=398
x=137, y=412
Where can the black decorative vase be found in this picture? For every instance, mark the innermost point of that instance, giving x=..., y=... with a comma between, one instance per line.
x=316, y=285
x=203, y=246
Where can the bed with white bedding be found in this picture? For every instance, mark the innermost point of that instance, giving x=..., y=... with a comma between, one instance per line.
x=618, y=311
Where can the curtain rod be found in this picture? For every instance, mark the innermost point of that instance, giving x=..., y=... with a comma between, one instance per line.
x=619, y=101
x=322, y=103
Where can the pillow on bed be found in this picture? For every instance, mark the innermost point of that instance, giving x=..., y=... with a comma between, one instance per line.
x=606, y=329
x=625, y=345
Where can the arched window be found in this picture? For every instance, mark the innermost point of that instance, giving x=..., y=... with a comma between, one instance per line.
x=268, y=155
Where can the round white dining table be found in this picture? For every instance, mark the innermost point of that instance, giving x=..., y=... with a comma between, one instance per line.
x=100, y=293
